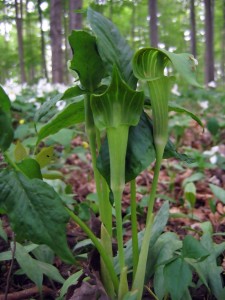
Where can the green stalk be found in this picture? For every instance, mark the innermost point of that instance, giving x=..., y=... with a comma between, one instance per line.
x=134, y=226
x=91, y=133
x=107, y=260
x=117, y=139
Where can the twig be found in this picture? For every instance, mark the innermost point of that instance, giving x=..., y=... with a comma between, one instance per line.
x=10, y=268
x=28, y=293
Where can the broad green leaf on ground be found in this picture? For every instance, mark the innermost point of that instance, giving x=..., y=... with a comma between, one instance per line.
x=149, y=63
x=218, y=192
x=86, y=60
x=35, y=211
x=179, y=109
x=30, y=167
x=7, y=255
x=28, y=265
x=46, y=107
x=208, y=268
x=50, y=271
x=112, y=47
x=162, y=251
x=45, y=156
x=140, y=151
x=192, y=248
x=158, y=226
x=177, y=276
x=6, y=130
x=119, y=105
x=72, y=280
x=5, y=103
x=71, y=115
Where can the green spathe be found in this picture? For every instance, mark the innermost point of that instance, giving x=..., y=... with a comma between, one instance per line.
x=119, y=105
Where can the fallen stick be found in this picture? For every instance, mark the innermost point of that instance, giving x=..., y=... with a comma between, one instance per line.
x=26, y=294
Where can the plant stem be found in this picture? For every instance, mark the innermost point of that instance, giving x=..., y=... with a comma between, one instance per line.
x=134, y=226
x=107, y=261
x=117, y=138
x=140, y=274
x=92, y=135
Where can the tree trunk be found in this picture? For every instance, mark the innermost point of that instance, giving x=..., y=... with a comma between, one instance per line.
x=43, y=55
x=75, y=19
x=56, y=40
x=19, y=28
x=223, y=46
x=152, y=8
x=209, y=41
x=193, y=28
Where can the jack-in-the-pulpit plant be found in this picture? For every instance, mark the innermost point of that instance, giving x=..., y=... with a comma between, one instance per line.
x=127, y=131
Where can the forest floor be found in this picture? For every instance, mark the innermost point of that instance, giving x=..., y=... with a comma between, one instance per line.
x=183, y=219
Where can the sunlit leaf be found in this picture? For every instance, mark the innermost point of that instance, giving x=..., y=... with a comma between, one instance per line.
x=20, y=152
x=45, y=156
x=70, y=115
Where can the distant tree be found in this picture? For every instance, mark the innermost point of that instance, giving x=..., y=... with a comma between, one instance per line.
x=209, y=41
x=193, y=28
x=19, y=28
x=56, y=40
x=223, y=45
x=152, y=8
x=43, y=44
x=75, y=19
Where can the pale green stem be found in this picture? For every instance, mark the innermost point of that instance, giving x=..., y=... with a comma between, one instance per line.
x=117, y=139
x=107, y=260
x=91, y=133
x=134, y=226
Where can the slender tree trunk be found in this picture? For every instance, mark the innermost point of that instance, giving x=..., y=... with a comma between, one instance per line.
x=43, y=54
x=209, y=41
x=19, y=27
x=56, y=40
x=152, y=8
x=75, y=19
x=223, y=45
x=193, y=28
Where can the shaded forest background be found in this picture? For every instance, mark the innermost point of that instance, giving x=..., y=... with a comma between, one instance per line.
x=34, y=34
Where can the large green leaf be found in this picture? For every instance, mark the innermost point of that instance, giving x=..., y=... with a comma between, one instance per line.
x=86, y=60
x=179, y=109
x=30, y=167
x=6, y=130
x=119, y=105
x=70, y=115
x=36, y=212
x=178, y=277
x=218, y=192
x=192, y=248
x=4, y=101
x=46, y=107
x=149, y=63
x=73, y=93
x=112, y=47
